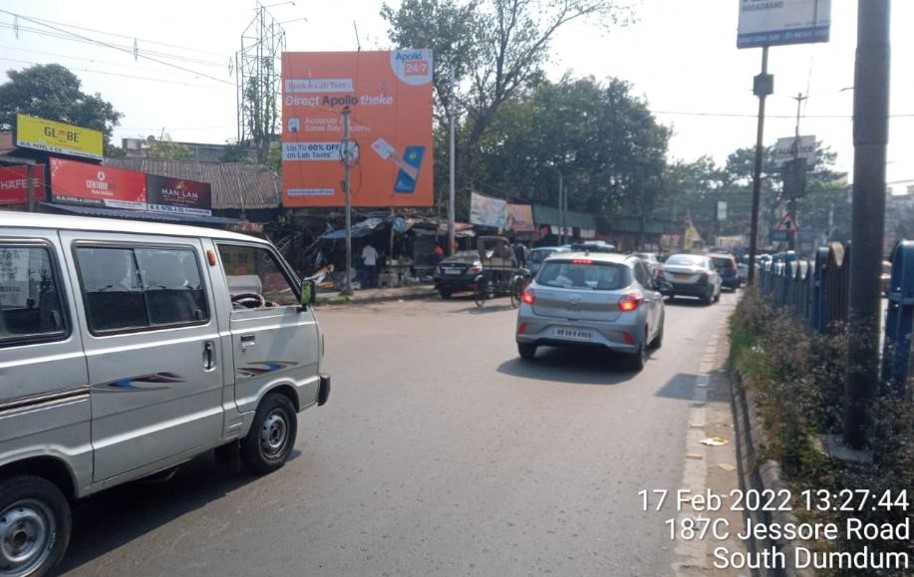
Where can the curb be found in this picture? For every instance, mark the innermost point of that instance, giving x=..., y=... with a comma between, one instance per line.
x=761, y=476
x=337, y=300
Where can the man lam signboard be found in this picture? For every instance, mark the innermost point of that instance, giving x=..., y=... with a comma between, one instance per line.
x=177, y=195
x=95, y=185
x=389, y=95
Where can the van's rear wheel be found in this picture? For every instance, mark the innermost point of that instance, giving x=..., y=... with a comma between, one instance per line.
x=34, y=526
x=272, y=436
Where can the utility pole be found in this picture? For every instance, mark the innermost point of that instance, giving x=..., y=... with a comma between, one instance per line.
x=451, y=233
x=871, y=131
x=796, y=173
x=763, y=85
x=561, y=210
x=346, y=153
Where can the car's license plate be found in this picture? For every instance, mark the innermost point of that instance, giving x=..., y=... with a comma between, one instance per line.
x=682, y=276
x=451, y=271
x=576, y=334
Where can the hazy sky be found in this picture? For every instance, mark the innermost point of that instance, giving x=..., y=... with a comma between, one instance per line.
x=680, y=55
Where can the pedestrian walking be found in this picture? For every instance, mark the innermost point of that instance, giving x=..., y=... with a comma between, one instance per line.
x=370, y=265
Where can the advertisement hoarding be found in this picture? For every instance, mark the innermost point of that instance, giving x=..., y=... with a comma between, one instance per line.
x=519, y=218
x=389, y=95
x=14, y=184
x=94, y=185
x=780, y=22
x=51, y=136
x=488, y=211
x=178, y=195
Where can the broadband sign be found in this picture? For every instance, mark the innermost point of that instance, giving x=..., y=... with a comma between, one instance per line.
x=389, y=96
x=57, y=137
x=780, y=22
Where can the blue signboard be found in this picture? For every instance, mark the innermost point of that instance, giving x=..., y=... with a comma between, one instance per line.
x=780, y=22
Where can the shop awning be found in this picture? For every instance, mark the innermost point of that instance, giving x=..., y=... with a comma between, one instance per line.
x=191, y=219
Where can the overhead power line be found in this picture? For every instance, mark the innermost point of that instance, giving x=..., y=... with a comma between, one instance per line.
x=137, y=54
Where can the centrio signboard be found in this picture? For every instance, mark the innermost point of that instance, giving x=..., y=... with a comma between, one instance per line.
x=176, y=195
x=389, y=95
x=94, y=185
x=50, y=136
x=779, y=22
x=14, y=184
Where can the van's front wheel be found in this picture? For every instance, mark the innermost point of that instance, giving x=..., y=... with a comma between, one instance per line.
x=34, y=526
x=272, y=436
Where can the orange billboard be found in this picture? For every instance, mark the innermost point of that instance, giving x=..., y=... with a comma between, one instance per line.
x=389, y=96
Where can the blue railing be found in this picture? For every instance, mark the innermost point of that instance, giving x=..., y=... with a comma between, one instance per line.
x=816, y=292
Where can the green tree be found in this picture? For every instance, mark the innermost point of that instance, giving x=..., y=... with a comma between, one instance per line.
x=51, y=91
x=487, y=53
x=166, y=148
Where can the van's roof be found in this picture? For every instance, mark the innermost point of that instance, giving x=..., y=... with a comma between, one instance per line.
x=57, y=221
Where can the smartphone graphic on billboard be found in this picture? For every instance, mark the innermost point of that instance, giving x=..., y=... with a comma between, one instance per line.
x=406, y=183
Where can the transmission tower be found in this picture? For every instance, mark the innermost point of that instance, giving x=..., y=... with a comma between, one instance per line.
x=258, y=76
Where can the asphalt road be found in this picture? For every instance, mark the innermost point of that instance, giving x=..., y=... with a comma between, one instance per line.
x=439, y=453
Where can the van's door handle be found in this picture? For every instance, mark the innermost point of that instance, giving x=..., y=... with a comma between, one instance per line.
x=209, y=356
x=247, y=341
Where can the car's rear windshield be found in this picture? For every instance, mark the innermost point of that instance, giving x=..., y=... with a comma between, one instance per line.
x=722, y=263
x=599, y=276
x=686, y=259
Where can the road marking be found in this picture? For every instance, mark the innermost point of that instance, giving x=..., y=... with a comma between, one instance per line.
x=692, y=555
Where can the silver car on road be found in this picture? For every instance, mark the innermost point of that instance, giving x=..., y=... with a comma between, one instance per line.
x=599, y=300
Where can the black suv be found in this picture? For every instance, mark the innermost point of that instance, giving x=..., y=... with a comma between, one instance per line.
x=725, y=265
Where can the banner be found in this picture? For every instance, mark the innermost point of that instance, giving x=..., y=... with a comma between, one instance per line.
x=519, y=218
x=14, y=184
x=779, y=22
x=389, y=96
x=50, y=136
x=96, y=185
x=488, y=211
x=166, y=194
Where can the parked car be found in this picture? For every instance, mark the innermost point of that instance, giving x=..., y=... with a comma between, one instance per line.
x=126, y=349
x=691, y=275
x=651, y=260
x=539, y=254
x=592, y=246
x=458, y=273
x=725, y=265
x=598, y=300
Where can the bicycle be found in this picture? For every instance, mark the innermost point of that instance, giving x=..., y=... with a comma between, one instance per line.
x=519, y=283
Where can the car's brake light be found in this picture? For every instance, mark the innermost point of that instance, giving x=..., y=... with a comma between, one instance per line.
x=474, y=270
x=581, y=261
x=528, y=297
x=630, y=302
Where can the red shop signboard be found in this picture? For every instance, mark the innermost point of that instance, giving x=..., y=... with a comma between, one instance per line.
x=94, y=185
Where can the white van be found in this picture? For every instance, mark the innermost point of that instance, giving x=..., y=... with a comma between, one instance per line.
x=127, y=348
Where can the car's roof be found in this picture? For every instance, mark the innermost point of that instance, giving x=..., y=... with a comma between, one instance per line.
x=609, y=257
x=12, y=219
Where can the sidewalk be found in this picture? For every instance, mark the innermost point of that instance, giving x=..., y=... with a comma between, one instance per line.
x=376, y=295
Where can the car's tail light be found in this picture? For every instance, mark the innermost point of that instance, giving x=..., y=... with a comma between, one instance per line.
x=528, y=297
x=522, y=328
x=474, y=270
x=630, y=302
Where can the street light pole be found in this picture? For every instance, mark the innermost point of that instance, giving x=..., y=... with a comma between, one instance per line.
x=451, y=233
x=796, y=176
x=763, y=86
x=347, y=286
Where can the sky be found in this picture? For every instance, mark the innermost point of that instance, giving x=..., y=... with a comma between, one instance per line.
x=679, y=55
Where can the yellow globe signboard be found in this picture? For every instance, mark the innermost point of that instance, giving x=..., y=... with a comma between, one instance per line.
x=51, y=136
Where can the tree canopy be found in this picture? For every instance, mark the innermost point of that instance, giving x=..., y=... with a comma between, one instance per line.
x=51, y=91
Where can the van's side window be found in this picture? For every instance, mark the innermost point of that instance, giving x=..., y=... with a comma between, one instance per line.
x=141, y=288
x=30, y=297
x=255, y=279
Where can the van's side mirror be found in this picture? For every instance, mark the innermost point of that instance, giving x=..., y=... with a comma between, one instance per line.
x=308, y=293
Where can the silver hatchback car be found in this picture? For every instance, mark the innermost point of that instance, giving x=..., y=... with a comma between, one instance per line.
x=599, y=300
